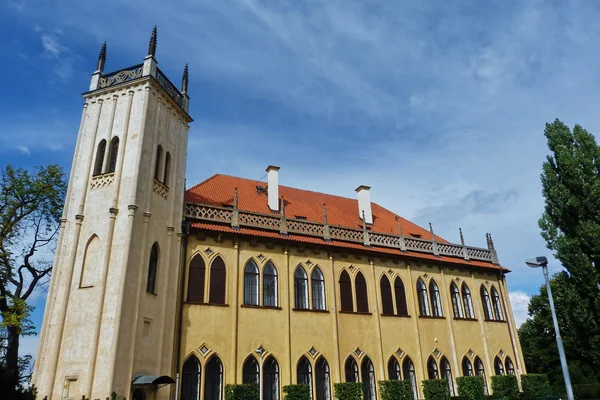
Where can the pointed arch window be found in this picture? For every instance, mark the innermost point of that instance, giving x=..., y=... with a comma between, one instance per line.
x=394, y=369
x=218, y=280
x=251, y=285
x=250, y=372
x=487, y=305
x=159, y=151
x=270, y=286
x=497, y=304
x=322, y=378
x=432, y=369
x=101, y=150
x=457, y=306
x=362, y=302
x=152, y=269
x=400, y=294
x=304, y=373
x=498, y=367
x=480, y=371
x=436, y=299
x=467, y=367
x=423, y=298
x=213, y=379
x=387, y=303
x=318, y=289
x=196, y=278
x=408, y=373
x=510, y=368
x=300, y=288
x=347, y=304
x=190, y=380
x=271, y=379
x=167, y=169
x=367, y=372
x=114, y=152
x=447, y=374
x=351, y=370
x=468, y=302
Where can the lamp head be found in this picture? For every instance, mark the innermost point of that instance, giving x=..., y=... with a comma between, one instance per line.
x=537, y=262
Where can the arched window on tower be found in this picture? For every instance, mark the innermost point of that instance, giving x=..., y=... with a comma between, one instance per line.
x=367, y=372
x=400, y=294
x=362, y=302
x=167, y=168
x=510, y=368
x=251, y=286
x=250, y=372
x=408, y=373
x=432, y=369
x=387, y=303
x=394, y=369
x=436, y=299
x=300, y=288
x=318, y=289
x=114, y=152
x=152, y=269
x=467, y=367
x=270, y=285
x=423, y=298
x=456, y=301
x=487, y=305
x=497, y=304
x=322, y=377
x=213, y=379
x=99, y=157
x=271, y=379
x=304, y=373
x=498, y=367
x=218, y=280
x=351, y=370
x=159, y=151
x=468, y=302
x=196, y=279
x=347, y=304
x=447, y=374
x=190, y=380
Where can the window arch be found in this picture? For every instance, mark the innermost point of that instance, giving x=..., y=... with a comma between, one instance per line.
x=167, y=169
x=510, y=368
x=251, y=285
x=152, y=269
x=114, y=152
x=408, y=373
x=271, y=379
x=423, y=298
x=467, y=367
x=457, y=305
x=468, y=301
x=213, y=379
x=304, y=373
x=498, y=367
x=218, y=281
x=432, y=368
x=447, y=374
x=190, y=380
x=362, y=302
x=322, y=378
x=487, y=305
x=497, y=304
x=436, y=300
x=159, y=151
x=100, y=152
x=480, y=371
x=400, y=294
x=394, y=369
x=300, y=288
x=196, y=278
x=351, y=369
x=250, y=371
x=387, y=303
x=270, y=286
x=347, y=304
x=367, y=372
x=318, y=289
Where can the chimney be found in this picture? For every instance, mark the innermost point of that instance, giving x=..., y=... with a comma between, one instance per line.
x=273, y=187
x=364, y=203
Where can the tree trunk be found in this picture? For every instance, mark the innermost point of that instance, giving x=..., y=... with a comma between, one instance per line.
x=12, y=354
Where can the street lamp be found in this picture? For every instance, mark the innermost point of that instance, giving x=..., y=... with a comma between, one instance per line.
x=537, y=262
x=260, y=351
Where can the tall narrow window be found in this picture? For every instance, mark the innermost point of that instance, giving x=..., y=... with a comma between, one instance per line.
x=510, y=368
x=423, y=298
x=432, y=369
x=436, y=299
x=250, y=372
x=152, y=268
x=456, y=301
x=213, y=379
x=318, y=289
x=270, y=286
x=218, y=280
x=480, y=371
x=351, y=370
x=300, y=288
x=196, y=279
x=487, y=305
x=271, y=379
x=322, y=377
x=394, y=369
x=251, y=286
x=400, y=294
x=497, y=305
x=100, y=157
x=304, y=373
x=346, y=293
x=190, y=380
x=408, y=373
x=447, y=374
x=387, y=304
x=362, y=302
x=167, y=169
x=467, y=367
x=114, y=152
x=498, y=367
x=159, y=151
x=367, y=372
x=468, y=301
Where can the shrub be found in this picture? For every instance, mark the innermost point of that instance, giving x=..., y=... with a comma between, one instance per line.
x=471, y=387
x=505, y=386
x=296, y=392
x=535, y=386
x=348, y=390
x=436, y=389
x=395, y=390
x=242, y=392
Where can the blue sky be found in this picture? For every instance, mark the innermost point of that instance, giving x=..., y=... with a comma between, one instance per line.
x=438, y=106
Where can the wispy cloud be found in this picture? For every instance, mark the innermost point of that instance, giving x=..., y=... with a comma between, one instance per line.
x=51, y=45
x=23, y=150
x=519, y=301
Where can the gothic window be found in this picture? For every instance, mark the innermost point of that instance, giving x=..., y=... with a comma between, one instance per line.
x=387, y=304
x=447, y=374
x=351, y=370
x=468, y=302
x=218, y=280
x=399, y=293
x=300, y=288
x=487, y=305
x=323, y=384
x=498, y=367
x=190, y=380
x=213, y=379
x=270, y=286
x=367, y=372
x=456, y=301
x=89, y=268
x=251, y=286
x=436, y=300
x=480, y=371
x=152, y=269
x=167, y=168
x=510, y=368
x=497, y=305
x=304, y=373
x=318, y=289
x=114, y=152
x=99, y=157
x=197, y=276
x=393, y=369
x=346, y=293
x=467, y=367
x=362, y=302
x=271, y=379
x=159, y=152
x=250, y=372
x=408, y=373
x=432, y=368
x=423, y=298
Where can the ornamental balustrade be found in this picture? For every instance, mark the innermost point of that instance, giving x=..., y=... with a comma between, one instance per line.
x=124, y=75
x=171, y=90
x=301, y=227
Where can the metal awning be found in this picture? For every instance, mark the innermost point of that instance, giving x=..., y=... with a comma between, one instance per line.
x=152, y=380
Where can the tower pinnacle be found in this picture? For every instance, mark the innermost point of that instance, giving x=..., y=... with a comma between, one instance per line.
x=101, y=58
x=184, y=79
x=152, y=45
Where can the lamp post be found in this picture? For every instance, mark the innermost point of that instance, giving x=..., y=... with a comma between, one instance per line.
x=260, y=351
x=537, y=262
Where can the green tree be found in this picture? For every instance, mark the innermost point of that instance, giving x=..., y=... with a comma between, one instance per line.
x=30, y=211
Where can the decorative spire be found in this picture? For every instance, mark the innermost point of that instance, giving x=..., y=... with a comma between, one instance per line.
x=184, y=79
x=401, y=241
x=283, y=221
x=326, y=232
x=492, y=249
x=235, y=198
x=434, y=243
x=465, y=252
x=152, y=45
x=462, y=239
x=235, y=215
x=101, y=58
x=366, y=239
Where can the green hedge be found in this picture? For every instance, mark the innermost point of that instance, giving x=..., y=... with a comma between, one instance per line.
x=348, y=390
x=583, y=391
x=505, y=386
x=535, y=386
x=471, y=387
x=248, y=391
x=436, y=389
x=296, y=392
x=395, y=390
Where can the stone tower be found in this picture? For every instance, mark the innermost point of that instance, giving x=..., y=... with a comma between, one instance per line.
x=109, y=322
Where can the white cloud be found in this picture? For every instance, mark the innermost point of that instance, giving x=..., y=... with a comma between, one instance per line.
x=24, y=150
x=51, y=45
x=519, y=301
